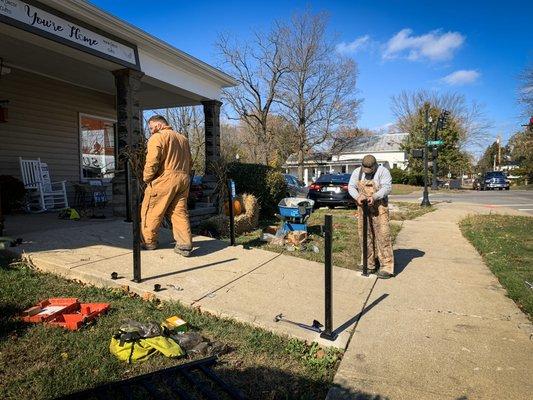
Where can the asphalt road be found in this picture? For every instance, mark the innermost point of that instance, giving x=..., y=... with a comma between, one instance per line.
x=517, y=199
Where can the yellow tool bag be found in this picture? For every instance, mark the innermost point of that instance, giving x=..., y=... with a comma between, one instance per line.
x=136, y=342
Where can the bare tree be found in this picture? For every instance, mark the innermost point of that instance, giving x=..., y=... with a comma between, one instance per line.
x=470, y=122
x=526, y=90
x=318, y=92
x=258, y=67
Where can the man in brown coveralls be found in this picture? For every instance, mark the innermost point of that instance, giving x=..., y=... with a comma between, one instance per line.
x=166, y=173
x=373, y=183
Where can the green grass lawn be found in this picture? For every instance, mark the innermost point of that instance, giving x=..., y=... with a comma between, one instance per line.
x=42, y=362
x=506, y=244
x=399, y=188
x=346, y=250
x=522, y=187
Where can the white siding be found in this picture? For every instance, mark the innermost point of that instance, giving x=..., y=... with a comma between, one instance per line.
x=43, y=122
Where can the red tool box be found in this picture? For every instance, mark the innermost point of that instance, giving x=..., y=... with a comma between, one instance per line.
x=66, y=312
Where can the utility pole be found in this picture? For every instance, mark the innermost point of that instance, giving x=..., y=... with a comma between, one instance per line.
x=499, y=153
x=440, y=124
x=427, y=121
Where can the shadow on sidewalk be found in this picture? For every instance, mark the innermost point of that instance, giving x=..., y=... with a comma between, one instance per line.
x=402, y=258
x=338, y=392
x=181, y=271
x=356, y=318
x=205, y=247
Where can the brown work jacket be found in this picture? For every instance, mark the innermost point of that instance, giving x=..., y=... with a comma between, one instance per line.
x=167, y=151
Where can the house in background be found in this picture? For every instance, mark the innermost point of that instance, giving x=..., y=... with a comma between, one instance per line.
x=387, y=148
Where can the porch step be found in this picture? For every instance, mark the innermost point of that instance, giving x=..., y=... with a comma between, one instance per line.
x=203, y=204
x=208, y=192
x=200, y=211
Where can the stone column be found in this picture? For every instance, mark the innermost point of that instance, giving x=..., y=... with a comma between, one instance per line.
x=129, y=129
x=212, y=133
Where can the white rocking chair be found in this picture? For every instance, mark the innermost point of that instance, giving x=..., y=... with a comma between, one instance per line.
x=43, y=194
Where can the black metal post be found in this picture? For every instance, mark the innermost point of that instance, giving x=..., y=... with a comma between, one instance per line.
x=425, y=199
x=1, y=214
x=127, y=171
x=231, y=216
x=434, y=159
x=328, y=238
x=434, y=153
x=365, y=238
x=136, y=226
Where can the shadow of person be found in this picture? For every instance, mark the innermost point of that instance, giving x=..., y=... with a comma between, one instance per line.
x=203, y=246
x=402, y=258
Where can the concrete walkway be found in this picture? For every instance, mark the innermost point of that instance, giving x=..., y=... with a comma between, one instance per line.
x=250, y=285
x=443, y=328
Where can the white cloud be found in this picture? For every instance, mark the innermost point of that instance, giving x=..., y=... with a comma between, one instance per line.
x=461, y=77
x=435, y=46
x=352, y=47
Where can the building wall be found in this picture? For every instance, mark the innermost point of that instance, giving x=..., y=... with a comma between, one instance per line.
x=43, y=123
x=392, y=157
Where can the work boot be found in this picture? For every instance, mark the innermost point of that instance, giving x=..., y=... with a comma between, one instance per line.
x=384, y=275
x=149, y=246
x=182, y=252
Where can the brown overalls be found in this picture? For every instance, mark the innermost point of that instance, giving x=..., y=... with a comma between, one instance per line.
x=379, y=238
x=166, y=173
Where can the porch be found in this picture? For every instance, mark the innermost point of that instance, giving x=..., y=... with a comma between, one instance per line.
x=77, y=101
x=249, y=285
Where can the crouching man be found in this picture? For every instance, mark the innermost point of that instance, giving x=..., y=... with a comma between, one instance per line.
x=372, y=183
x=166, y=174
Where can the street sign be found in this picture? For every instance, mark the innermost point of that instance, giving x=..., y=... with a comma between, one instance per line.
x=435, y=142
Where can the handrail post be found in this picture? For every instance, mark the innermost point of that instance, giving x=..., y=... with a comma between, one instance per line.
x=365, y=238
x=231, y=195
x=328, y=238
x=136, y=226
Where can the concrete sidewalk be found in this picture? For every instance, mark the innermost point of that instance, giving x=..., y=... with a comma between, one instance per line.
x=443, y=328
x=250, y=285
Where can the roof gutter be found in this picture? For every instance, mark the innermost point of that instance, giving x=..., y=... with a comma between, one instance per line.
x=127, y=31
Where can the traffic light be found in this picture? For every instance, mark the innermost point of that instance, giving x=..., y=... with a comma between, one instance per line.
x=417, y=153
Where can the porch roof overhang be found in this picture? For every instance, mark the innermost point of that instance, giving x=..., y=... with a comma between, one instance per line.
x=172, y=77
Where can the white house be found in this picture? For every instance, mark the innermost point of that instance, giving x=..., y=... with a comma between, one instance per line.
x=345, y=158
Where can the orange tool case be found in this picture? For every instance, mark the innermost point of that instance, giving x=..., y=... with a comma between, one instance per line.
x=65, y=312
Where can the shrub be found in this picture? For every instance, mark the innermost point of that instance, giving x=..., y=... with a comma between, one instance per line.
x=415, y=178
x=264, y=182
x=399, y=176
x=12, y=192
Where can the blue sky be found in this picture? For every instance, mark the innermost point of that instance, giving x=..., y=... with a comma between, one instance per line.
x=477, y=48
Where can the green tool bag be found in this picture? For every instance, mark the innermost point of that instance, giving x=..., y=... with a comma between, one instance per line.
x=136, y=342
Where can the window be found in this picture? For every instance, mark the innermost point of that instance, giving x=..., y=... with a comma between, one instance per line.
x=97, y=145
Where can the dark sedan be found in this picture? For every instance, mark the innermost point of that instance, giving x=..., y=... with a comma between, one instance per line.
x=493, y=180
x=331, y=190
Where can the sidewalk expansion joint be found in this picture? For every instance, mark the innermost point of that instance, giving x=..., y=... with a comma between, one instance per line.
x=212, y=293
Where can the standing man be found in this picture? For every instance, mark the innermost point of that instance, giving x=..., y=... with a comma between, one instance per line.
x=372, y=183
x=166, y=174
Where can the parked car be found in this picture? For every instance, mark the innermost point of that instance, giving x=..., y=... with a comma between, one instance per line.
x=491, y=181
x=295, y=187
x=331, y=190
